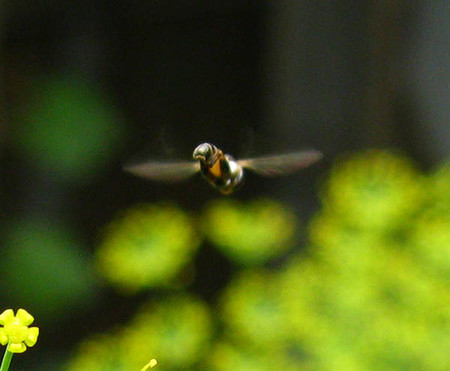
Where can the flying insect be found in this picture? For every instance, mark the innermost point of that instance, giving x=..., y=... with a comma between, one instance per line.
x=221, y=170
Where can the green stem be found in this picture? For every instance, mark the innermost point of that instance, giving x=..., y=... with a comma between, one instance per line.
x=7, y=357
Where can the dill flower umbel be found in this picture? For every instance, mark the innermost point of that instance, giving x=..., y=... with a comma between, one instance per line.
x=370, y=293
x=373, y=190
x=250, y=233
x=146, y=247
x=251, y=309
x=176, y=331
x=227, y=356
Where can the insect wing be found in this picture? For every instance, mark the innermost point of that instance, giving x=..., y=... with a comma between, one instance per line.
x=270, y=166
x=164, y=171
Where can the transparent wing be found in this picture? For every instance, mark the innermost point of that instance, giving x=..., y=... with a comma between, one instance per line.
x=270, y=166
x=164, y=171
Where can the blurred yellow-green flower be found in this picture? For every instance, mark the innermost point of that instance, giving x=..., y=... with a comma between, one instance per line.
x=304, y=289
x=252, y=312
x=100, y=353
x=335, y=241
x=429, y=232
x=430, y=238
x=147, y=247
x=15, y=330
x=387, y=315
x=226, y=356
x=438, y=190
x=370, y=292
x=176, y=331
x=375, y=189
x=249, y=233
x=106, y=352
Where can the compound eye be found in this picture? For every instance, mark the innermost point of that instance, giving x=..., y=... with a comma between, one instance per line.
x=203, y=152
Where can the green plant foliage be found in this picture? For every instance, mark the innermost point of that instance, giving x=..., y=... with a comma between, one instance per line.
x=43, y=268
x=178, y=329
x=250, y=233
x=67, y=128
x=147, y=247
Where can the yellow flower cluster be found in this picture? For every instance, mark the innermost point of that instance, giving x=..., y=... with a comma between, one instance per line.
x=373, y=189
x=150, y=244
x=147, y=246
x=251, y=308
x=252, y=232
x=177, y=330
x=369, y=292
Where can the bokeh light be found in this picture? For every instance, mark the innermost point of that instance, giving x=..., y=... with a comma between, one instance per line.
x=68, y=128
x=42, y=262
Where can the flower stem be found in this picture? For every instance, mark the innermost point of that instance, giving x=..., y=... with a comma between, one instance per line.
x=7, y=357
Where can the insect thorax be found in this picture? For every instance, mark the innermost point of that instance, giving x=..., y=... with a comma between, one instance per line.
x=226, y=174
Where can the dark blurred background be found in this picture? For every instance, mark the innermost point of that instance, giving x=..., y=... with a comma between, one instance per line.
x=87, y=86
